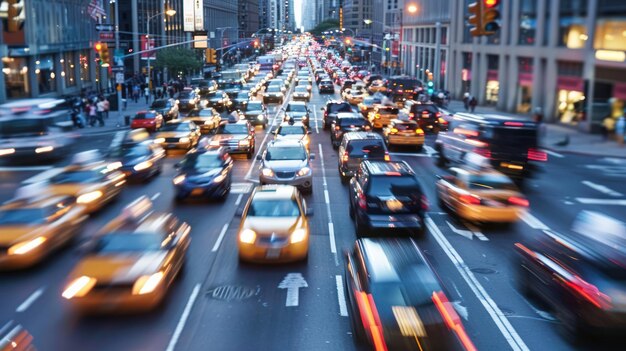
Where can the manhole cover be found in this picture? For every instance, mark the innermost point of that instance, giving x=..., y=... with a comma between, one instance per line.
x=232, y=292
x=483, y=270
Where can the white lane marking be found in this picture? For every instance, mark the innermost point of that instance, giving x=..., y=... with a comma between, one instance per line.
x=30, y=300
x=405, y=154
x=601, y=188
x=331, y=236
x=317, y=127
x=183, y=318
x=238, y=201
x=552, y=153
x=220, y=238
x=465, y=233
x=240, y=188
x=476, y=231
x=430, y=151
x=508, y=332
x=43, y=176
x=614, y=160
x=610, y=202
x=24, y=168
x=460, y=309
x=326, y=197
x=533, y=222
x=155, y=196
x=341, y=296
x=293, y=282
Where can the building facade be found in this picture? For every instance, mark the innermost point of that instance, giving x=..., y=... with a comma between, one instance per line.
x=566, y=57
x=248, y=18
x=49, y=51
x=264, y=18
x=355, y=12
x=309, y=15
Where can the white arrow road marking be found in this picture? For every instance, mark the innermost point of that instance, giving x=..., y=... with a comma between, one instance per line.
x=343, y=309
x=30, y=300
x=293, y=282
x=533, y=222
x=460, y=309
x=430, y=151
x=601, y=188
x=476, y=231
x=468, y=233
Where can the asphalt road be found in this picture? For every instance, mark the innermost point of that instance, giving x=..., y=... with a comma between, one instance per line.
x=221, y=304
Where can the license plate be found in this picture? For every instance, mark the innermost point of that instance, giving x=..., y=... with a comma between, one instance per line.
x=197, y=191
x=272, y=253
x=171, y=146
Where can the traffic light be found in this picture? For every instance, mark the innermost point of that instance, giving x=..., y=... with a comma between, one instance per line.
x=104, y=55
x=98, y=49
x=348, y=41
x=483, y=17
x=475, y=19
x=211, y=56
x=15, y=15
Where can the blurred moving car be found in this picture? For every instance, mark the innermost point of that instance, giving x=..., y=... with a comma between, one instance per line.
x=178, y=134
x=137, y=156
x=204, y=173
x=377, y=86
x=427, y=115
x=293, y=131
x=149, y=120
x=580, y=274
x=35, y=223
x=206, y=118
x=396, y=300
x=256, y=113
x=332, y=108
x=130, y=264
x=287, y=162
x=218, y=100
x=91, y=180
x=326, y=86
x=168, y=108
x=187, y=100
x=387, y=196
x=354, y=96
x=356, y=147
x=347, y=122
x=301, y=92
x=273, y=93
x=274, y=225
x=14, y=337
x=404, y=132
x=298, y=111
x=478, y=193
x=235, y=138
x=368, y=104
x=382, y=115
x=241, y=99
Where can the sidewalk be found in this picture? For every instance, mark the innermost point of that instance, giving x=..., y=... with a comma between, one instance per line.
x=115, y=121
x=559, y=138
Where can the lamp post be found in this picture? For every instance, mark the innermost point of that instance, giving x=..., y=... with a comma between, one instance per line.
x=169, y=13
x=222, y=29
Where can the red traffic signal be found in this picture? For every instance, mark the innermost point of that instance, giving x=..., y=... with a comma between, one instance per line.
x=491, y=3
x=98, y=47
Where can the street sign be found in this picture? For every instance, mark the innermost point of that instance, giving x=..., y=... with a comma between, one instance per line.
x=118, y=58
x=119, y=78
x=107, y=36
x=105, y=27
x=117, y=69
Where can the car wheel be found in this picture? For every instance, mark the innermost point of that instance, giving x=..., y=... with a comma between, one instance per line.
x=359, y=229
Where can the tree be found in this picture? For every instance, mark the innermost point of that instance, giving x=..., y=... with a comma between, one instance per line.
x=324, y=26
x=178, y=60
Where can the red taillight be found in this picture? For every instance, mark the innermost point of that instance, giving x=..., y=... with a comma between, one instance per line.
x=452, y=320
x=411, y=115
x=325, y=113
x=424, y=202
x=337, y=128
x=362, y=201
x=537, y=155
x=518, y=201
x=589, y=292
x=387, y=158
x=371, y=319
x=514, y=124
x=483, y=152
x=469, y=199
x=344, y=157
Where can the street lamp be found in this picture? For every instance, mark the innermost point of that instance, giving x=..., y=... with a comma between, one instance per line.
x=169, y=13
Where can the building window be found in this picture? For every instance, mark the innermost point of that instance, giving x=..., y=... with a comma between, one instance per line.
x=572, y=28
x=527, y=22
x=492, y=88
x=84, y=66
x=570, y=92
x=16, y=77
x=611, y=26
x=444, y=35
x=44, y=71
x=69, y=69
x=525, y=84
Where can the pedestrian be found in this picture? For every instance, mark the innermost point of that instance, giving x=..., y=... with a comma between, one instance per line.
x=146, y=94
x=107, y=107
x=91, y=107
x=620, y=129
x=136, y=93
x=608, y=127
x=466, y=99
x=472, y=104
x=100, y=111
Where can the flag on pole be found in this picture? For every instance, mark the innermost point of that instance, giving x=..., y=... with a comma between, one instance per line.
x=95, y=9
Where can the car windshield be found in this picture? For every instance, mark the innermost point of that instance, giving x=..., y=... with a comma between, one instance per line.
x=290, y=130
x=200, y=161
x=273, y=89
x=232, y=129
x=81, y=177
x=389, y=185
x=273, y=208
x=184, y=96
x=429, y=108
x=296, y=108
x=145, y=116
x=352, y=121
x=405, y=126
x=366, y=149
x=175, y=127
x=158, y=104
x=22, y=216
x=243, y=95
x=127, y=242
x=334, y=108
x=254, y=105
x=301, y=89
x=22, y=127
x=131, y=151
x=490, y=182
x=285, y=153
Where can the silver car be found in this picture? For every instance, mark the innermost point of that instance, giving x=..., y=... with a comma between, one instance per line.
x=287, y=162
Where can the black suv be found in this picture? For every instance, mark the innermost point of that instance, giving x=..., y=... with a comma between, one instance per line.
x=356, y=147
x=332, y=108
x=427, y=115
x=347, y=122
x=326, y=86
x=387, y=196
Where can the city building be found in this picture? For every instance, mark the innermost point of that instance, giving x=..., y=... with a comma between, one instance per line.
x=264, y=16
x=309, y=15
x=273, y=13
x=327, y=9
x=286, y=19
x=565, y=57
x=248, y=18
x=47, y=49
x=355, y=12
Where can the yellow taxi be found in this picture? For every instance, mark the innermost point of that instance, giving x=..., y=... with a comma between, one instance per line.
x=274, y=225
x=178, y=134
x=91, y=180
x=404, y=132
x=354, y=96
x=34, y=226
x=130, y=264
x=382, y=115
x=478, y=193
x=377, y=86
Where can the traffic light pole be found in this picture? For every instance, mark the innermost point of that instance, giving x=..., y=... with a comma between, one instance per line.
x=118, y=86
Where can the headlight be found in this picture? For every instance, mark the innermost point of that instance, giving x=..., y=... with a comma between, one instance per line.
x=204, y=102
x=247, y=236
x=220, y=177
x=89, y=197
x=298, y=235
x=114, y=165
x=183, y=140
x=43, y=149
x=26, y=246
x=260, y=117
x=267, y=172
x=304, y=171
x=79, y=287
x=147, y=283
x=7, y=151
x=143, y=165
x=244, y=142
x=214, y=143
x=159, y=140
x=178, y=179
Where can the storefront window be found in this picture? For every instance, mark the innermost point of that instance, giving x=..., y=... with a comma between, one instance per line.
x=69, y=69
x=570, y=92
x=492, y=88
x=466, y=72
x=84, y=66
x=16, y=77
x=525, y=83
x=611, y=26
x=527, y=22
x=44, y=71
x=572, y=19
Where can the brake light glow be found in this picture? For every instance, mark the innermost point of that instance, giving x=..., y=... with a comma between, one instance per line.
x=514, y=124
x=526, y=250
x=537, y=155
x=371, y=319
x=424, y=202
x=589, y=292
x=452, y=319
x=387, y=158
x=466, y=132
x=482, y=151
x=469, y=199
x=337, y=128
x=396, y=174
x=411, y=115
x=518, y=201
x=362, y=201
x=344, y=157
